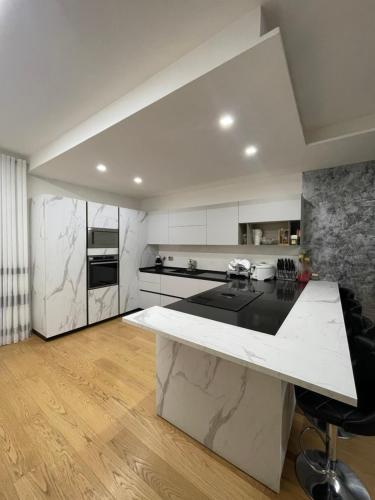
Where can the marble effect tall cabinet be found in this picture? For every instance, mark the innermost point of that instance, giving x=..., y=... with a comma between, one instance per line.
x=58, y=262
x=134, y=252
x=60, y=299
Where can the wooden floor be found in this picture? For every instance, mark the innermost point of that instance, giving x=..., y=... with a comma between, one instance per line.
x=77, y=420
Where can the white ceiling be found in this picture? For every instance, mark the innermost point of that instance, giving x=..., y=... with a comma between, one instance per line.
x=330, y=50
x=176, y=142
x=63, y=60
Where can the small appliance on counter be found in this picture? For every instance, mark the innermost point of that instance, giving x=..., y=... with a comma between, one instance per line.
x=286, y=270
x=239, y=268
x=159, y=262
x=263, y=272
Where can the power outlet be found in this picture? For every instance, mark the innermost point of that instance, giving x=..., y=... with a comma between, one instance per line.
x=170, y=258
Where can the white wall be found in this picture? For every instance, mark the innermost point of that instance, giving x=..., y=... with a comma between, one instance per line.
x=37, y=185
x=239, y=189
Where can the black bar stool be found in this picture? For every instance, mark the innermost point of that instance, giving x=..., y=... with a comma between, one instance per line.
x=360, y=325
x=352, y=306
x=346, y=293
x=319, y=473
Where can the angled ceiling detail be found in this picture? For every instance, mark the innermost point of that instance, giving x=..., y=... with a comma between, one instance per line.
x=310, y=107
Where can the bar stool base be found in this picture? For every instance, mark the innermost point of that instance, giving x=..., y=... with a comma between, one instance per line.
x=339, y=484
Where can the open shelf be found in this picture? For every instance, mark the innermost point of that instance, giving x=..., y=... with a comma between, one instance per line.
x=281, y=233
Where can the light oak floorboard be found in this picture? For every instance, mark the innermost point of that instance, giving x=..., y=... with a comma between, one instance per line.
x=77, y=421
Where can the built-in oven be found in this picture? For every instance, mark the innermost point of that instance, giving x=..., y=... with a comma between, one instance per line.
x=102, y=238
x=102, y=270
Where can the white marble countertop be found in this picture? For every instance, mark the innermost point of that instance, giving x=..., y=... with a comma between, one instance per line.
x=310, y=349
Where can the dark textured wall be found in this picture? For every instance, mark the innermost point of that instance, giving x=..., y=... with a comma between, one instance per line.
x=338, y=213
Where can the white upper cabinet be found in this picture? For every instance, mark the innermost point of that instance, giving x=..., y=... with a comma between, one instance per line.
x=102, y=216
x=217, y=224
x=270, y=211
x=191, y=217
x=157, y=228
x=187, y=235
x=187, y=227
x=222, y=225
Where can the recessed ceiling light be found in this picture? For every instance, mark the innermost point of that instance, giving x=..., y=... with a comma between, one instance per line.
x=226, y=121
x=251, y=150
x=101, y=167
x=137, y=180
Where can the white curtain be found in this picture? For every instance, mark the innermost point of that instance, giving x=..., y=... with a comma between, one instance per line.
x=14, y=261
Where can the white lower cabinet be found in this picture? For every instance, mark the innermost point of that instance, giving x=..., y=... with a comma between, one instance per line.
x=185, y=287
x=169, y=289
x=148, y=299
x=165, y=301
x=149, y=282
x=179, y=287
x=149, y=278
x=103, y=303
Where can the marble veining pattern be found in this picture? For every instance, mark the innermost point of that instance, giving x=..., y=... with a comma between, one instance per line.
x=338, y=210
x=134, y=253
x=310, y=348
x=61, y=255
x=102, y=303
x=241, y=415
x=102, y=216
x=38, y=268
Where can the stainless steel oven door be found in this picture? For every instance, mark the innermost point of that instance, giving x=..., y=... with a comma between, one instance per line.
x=102, y=238
x=102, y=271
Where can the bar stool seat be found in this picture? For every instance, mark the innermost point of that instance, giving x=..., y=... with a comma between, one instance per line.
x=357, y=324
x=346, y=293
x=336, y=413
x=351, y=305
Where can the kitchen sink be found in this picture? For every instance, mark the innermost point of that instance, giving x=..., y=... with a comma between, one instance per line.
x=187, y=271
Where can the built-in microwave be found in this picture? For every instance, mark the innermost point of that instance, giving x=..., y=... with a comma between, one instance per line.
x=102, y=271
x=102, y=238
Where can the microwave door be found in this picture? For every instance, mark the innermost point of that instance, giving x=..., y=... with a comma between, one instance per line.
x=102, y=238
x=90, y=238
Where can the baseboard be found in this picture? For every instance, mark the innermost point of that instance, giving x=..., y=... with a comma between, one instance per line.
x=48, y=339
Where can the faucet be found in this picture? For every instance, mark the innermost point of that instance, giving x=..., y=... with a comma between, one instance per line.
x=191, y=265
x=239, y=268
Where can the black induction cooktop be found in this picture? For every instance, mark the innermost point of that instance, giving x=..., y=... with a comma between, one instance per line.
x=257, y=305
x=231, y=300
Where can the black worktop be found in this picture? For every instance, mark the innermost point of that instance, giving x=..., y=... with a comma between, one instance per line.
x=199, y=274
x=264, y=314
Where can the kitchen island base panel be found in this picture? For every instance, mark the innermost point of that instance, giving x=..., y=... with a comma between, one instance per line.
x=242, y=415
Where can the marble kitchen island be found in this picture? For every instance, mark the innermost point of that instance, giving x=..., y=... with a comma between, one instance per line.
x=231, y=387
